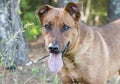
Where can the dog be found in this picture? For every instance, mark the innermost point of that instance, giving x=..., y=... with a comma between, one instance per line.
x=93, y=55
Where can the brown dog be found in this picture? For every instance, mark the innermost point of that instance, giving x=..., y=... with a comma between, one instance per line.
x=94, y=53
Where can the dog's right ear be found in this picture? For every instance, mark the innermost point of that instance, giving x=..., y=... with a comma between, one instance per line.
x=43, y=10
x=74, y=9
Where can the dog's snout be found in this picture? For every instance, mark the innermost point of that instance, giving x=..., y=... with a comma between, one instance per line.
x=53, y=48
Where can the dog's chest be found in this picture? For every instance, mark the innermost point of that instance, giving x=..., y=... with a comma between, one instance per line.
x=76, y=71
x=73, y=70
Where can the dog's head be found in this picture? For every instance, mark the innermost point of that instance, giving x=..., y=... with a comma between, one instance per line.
x=60, y=26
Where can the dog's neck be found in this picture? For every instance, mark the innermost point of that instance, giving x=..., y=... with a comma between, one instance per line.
x=86, y=37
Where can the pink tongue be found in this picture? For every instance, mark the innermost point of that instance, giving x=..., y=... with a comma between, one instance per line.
x=55, y=62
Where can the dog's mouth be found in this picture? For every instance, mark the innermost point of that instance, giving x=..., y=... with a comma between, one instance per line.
x=55, y=62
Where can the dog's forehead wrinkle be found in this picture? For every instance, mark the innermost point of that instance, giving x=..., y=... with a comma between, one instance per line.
x=54, y=19
x=56, y=11
x=59, y=17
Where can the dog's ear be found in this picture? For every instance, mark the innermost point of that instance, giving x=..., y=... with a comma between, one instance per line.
x=43, y=10
x=74, y=9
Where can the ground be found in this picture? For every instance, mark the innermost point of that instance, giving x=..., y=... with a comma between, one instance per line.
x=37, y=73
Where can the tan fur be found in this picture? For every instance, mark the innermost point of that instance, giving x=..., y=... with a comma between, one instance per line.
x=93, y=56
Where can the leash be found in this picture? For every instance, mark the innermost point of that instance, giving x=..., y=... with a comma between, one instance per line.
x=66, y=47
x=39, y=59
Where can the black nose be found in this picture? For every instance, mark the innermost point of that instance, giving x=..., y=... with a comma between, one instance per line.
x=54, y=48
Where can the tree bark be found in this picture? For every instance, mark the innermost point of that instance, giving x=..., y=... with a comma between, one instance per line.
x=13, y=45
x=62, y=3
x=47, y=2
x=113, y=9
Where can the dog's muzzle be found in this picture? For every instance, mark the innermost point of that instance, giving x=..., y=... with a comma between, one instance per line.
x=54, y=48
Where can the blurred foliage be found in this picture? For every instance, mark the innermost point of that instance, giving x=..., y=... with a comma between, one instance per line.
x=98, y=10
x=29, y=18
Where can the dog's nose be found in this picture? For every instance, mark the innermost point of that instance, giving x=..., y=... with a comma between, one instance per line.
x=54, y=48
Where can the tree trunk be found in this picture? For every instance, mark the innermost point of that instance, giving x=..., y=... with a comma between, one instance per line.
x=62, y=3
x=47, y=2
x=13, y=45
x=113, y=9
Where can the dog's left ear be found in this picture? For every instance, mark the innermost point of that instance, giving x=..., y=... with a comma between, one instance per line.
x=74, y=9
x=42, y=11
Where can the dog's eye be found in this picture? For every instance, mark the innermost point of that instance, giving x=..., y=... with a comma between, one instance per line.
x=48, y=27
x=65, y=28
